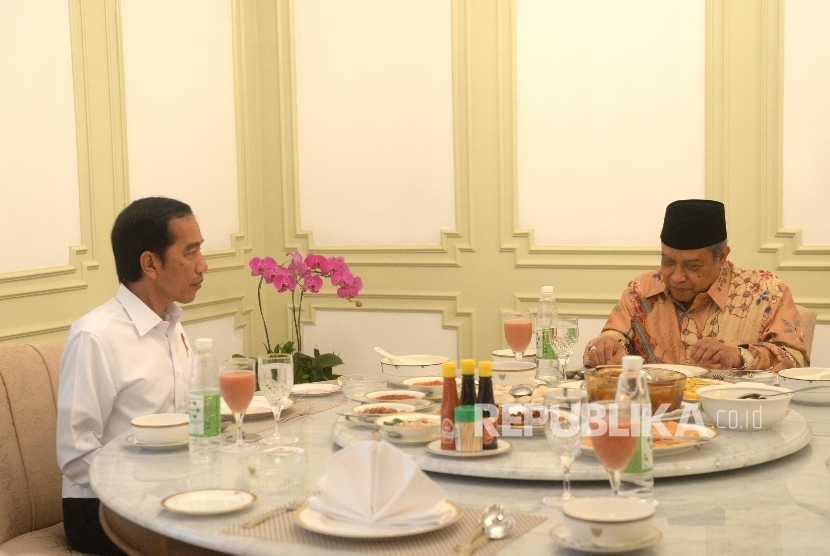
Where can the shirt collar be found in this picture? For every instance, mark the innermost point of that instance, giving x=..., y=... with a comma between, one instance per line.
x=144, y=318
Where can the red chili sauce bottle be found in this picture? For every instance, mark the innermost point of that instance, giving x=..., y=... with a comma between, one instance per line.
x=449, y=401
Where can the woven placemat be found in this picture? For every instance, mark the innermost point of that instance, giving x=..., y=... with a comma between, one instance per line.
x=442, y=542
x=300, y=409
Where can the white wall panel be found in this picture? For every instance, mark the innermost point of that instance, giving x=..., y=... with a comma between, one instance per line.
x=39, y=204
x=181, y=134
x=227, y=340
x=374, y=120
x=807, y=118
x=820, y=356
x=610, y=100
x=354, y=334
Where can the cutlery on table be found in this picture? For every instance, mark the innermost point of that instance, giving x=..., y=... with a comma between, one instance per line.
x=489, y=514
x=291, y=506
x=498, y=529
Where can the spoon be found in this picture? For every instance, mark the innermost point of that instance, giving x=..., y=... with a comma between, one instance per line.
x=398, y=360
x=498, y=529
x=490, y=514
x=756, y=396
x=521, y=390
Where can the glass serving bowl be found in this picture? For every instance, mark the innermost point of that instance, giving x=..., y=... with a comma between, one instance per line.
x=356, y=386
x=762, y=377
x=601, y=384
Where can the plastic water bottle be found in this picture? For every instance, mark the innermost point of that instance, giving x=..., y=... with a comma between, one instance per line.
x=637, y=479
x=547, y=363
x=205, y=418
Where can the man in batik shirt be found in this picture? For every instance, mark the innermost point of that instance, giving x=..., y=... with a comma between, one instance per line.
x=700, y=309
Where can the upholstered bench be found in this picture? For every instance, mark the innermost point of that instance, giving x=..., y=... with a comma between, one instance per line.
x=31, y=516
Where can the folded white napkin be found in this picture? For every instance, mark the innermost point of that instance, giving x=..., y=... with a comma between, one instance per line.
x=376, y=483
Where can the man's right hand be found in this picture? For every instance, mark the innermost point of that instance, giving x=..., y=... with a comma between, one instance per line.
x=604, y=351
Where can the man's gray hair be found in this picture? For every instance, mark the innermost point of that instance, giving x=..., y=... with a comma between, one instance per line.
x=717, y=249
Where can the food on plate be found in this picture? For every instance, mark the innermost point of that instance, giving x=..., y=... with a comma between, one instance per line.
x=517, y=415
x=693, y=384
x=662, y=440
x=436, y=382
x=394, y=397
x=409, y=423
x=380, y=410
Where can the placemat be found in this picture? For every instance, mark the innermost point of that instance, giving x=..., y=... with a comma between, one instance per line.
x=300, y=409
x=282, y=527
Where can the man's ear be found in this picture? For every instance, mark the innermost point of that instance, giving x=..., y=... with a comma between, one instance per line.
x=150, y=264
x=724, y=254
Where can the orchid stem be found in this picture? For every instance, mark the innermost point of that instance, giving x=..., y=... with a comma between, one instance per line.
x=261, y=314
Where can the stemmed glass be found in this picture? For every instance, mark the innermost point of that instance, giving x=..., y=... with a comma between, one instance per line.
x=518, y=331
x=237, y=382
x=614, y=437
x=276, y=377
x=563, y=338
x=564, y=434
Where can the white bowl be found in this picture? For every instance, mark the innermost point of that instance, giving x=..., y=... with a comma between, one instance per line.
x=797, y=379
x=428, y=425
x=726, y=411
x=608, y=521
x=511, y=373
x=529, y=356
x=367, y=409
x=417, y=383
x=161, y=428
x=397, y=373
x=396, y=396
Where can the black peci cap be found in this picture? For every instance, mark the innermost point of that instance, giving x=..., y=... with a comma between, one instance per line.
x=694, y=224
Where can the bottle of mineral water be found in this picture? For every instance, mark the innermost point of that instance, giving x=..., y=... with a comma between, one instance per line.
x=205, y=418
x=546, y=360
x=637, y=479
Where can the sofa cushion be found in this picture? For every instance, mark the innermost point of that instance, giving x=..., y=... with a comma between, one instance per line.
x=48, y=541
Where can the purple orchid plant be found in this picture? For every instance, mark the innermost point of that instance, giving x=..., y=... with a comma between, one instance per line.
x=301, y=275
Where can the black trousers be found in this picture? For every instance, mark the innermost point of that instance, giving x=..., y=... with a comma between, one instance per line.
x=83, y=529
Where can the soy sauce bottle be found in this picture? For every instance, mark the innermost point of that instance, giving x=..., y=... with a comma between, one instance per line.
x=485, y=396
x=468, y=385
x=449, y=401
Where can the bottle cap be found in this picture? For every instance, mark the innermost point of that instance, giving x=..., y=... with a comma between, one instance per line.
x=448, y=369
x=547, y=290
x=204, y=344
x=632, y=362
x=468, y=367
x=467, y=414
x=485, y=369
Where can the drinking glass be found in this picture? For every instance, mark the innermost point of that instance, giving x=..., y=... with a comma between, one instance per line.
x=614, y=433
x=564, y=434
x=518, y=331
x=563, y=338
x=237, y=382
x=276, y=377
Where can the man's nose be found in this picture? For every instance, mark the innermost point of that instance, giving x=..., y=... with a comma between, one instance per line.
x=679, y=275
x=202, y=266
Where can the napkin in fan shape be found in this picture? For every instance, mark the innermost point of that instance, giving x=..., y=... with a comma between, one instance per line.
x=376, y=483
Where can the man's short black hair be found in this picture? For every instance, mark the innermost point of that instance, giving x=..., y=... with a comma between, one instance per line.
x=143, y=226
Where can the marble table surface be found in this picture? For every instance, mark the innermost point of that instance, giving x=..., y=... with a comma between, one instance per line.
x=781, y=507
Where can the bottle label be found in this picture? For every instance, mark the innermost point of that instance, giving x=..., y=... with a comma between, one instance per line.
x=544, y=349
x=204, y=414
x=447, y=434
x=641, y=461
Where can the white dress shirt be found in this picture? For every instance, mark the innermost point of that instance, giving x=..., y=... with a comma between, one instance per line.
x=120, y=361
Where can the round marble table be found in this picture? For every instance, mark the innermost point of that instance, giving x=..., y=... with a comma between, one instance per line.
x=780, y=507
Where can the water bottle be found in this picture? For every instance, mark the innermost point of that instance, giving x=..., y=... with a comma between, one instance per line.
x=637, y=479
x=205, y=418
x=546, y=361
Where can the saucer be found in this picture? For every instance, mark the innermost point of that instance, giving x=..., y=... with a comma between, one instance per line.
x=131, y=441
x=314, y=389
x=561, y=535
x=434, y=447
x=208, y=501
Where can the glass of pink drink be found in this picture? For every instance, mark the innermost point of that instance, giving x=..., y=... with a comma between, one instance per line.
x=518, y=331
x=614, y=437
x=237, y=382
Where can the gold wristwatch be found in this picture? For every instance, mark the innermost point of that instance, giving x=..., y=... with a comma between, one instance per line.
x=746, y=356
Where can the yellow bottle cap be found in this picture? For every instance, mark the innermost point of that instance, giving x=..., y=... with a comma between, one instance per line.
x=468, y=366
x=448, y=369
x=485, y=369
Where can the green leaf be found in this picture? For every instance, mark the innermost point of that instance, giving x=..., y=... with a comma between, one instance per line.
x=328, y=360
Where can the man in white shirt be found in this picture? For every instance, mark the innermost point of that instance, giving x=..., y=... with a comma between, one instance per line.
x=129, y=356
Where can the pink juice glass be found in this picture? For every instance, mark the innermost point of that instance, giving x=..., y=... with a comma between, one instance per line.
x=614, y=437
x=518, y=331
x=237, y=382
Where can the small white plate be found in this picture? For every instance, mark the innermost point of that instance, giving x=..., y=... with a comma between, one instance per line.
x=434, y=447
x=529, y=352
x=209, y=501
x=314, y=389
x=320, y=523
x=687, y=370
x=380, y=436
x=561, y=535
x=131, y=441
x=259, y=408
x=687, y=444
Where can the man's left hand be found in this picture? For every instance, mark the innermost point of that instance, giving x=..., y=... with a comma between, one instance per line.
x=712, y=354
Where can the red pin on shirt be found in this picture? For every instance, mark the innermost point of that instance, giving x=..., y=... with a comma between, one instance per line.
x=186, y=348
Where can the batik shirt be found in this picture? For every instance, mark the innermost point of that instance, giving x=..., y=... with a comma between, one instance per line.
x=747, y=308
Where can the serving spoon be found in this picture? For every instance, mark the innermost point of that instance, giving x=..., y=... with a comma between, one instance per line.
x=756, y=396
x=498, y=529
x=490, y=514
x=398, y=360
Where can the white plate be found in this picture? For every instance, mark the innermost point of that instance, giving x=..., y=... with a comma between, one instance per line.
x=434, y=447
x=131, y=441
x=380, y=436
x=209, y=501
x=529, y=352
x=662, y=451
x=561, y=535
x=687, y=370
x=714, y=383
x=320, y=523
x=314, y=389
x=257, y=409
